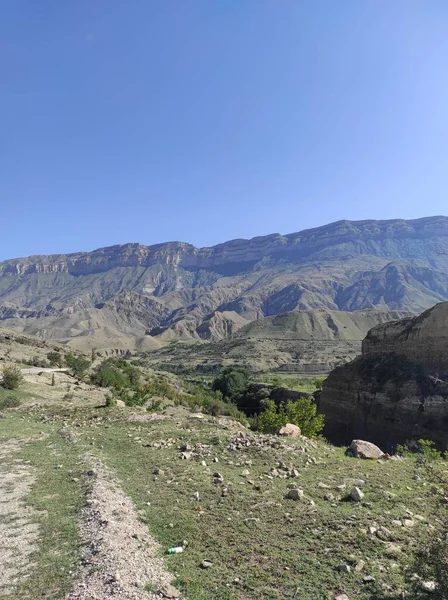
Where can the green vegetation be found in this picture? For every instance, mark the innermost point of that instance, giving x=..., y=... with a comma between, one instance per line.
x=231, y=382
x=78, y=365
x=55, y=359
x=424, y=449
x=12, y=377
x=300, y=412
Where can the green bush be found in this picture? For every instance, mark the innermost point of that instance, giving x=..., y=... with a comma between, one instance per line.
x=231, y=382
x=55, y=359
x=302, y=412
x=12, y=377
x=77, y=364
x=423, y=449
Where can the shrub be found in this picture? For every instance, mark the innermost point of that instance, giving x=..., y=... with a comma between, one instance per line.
x=77, y=364
x=12, y=377
x=300, y=412
x=231, y=382
x=55, y=359
x=424, y=450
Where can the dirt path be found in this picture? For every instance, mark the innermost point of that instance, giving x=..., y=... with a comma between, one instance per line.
x=18, y=535
x=121, y=557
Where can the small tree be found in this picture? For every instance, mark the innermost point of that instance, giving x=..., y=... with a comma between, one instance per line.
x=302, y=412
x=12, y=377
x=78, y=365
x=231, y=382
x=55, y=359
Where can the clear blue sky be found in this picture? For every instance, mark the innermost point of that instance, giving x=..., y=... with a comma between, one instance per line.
x=203, y=121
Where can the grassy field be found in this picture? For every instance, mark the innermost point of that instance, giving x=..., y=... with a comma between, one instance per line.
x=261, y=544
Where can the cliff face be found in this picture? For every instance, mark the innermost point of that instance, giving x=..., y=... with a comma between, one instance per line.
x=178, y=290
x=398, y=389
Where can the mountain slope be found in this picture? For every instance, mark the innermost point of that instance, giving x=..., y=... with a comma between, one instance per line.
x=174, y=290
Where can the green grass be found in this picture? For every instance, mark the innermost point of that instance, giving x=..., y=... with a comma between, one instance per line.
x=262, y=545
x=276, y=556
x=57, y=500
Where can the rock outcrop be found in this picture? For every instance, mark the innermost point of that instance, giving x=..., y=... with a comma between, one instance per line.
x=398, y=389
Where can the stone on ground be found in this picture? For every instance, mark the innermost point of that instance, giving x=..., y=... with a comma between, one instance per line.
x=363, y=449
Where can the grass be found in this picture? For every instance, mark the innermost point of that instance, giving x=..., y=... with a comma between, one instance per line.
x=263, y=546
x=57, y=497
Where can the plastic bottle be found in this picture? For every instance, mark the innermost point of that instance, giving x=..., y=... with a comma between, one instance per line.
x=175, y=550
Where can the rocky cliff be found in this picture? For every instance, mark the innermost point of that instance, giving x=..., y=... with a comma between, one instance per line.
x=398, y=389
x=175, y=290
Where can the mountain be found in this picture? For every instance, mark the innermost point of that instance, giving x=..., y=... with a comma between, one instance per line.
x=132, y=295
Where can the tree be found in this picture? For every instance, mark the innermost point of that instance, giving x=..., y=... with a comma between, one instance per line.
x=302, y=412
x=78, y=365
x=55, y=359
x=231, y=382
x=12, y=377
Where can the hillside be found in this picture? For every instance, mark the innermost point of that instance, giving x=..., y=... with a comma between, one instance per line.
x=94, y=496
x=302, y=342
x=135, y=296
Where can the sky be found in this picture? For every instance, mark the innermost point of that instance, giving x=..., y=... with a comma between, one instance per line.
x=208, y=120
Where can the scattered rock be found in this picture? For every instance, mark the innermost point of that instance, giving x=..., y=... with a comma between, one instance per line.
x=363, y=449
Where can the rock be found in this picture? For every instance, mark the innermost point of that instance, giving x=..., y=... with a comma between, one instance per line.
x=295, y=494
x=120, y=404
x=366, y=402
x=382, y=533
x=363, y=449
x=158, y=472
x=289, y=430
x=368, y=579
x=294, y=473
x=428, y=586
x=169, y=591
x=344, y=568
x=206, y=564
x=341, y=597
x=245, y=473
x=356, y=494
x=408, y=522
x=196, y=496
x=360, y=566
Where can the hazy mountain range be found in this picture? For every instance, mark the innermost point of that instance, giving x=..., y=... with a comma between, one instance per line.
x=137, y=296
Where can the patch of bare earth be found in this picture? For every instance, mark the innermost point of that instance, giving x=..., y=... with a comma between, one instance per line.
x=18, y=534
x=121, y=558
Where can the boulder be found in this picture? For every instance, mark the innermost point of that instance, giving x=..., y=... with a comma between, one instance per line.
x=363, y=449
x=356, y=494
x=289, y=430
x=295, y=494
x=120, y=404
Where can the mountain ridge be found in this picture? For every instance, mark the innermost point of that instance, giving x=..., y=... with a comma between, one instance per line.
x=174, y=290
